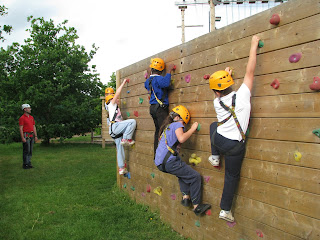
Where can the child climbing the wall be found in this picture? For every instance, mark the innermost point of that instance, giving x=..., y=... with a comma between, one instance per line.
x=228, y=134
x=120, y=130
x=157, y=86
x=167, y=158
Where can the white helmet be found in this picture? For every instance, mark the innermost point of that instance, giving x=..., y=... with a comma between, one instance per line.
x=25, y=106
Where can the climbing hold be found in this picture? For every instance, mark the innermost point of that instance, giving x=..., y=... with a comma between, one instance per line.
x=124, y=102
x=275, y=84
x=128, y=114
x=148, y=188
x=275, y=19
x=140, y=100
x=173, y=196
x=297, y=156
x=208, y=212
x=187, y=78
x=143, y=194
x=316, y=84
x=247, y=132
x=197, y=223
x=295, y=57
x=199, y=127
x=259, y=233
x=172, y=81
x=231, y=224
x=194, y=159
x=193, y=155
x=152, y=175
x=136, y=113
x=125, y=185
x=316, y=132
x=206, y=178
x=146, y=75
x=128, y=80
x=133, y=188
x=174, y=67
x=260, y=44
x=128, y=91
x=158, y=190
x=206, y=77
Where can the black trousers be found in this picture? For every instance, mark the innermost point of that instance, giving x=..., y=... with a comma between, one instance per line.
x=27, y=150
x=234, y=152
x=158, y=115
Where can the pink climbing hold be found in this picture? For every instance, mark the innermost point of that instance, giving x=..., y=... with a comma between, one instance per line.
x=206, y=77
x=187, y=78
x=146, y=75
x=275, y=84
x=173, y=196
x=136, y=113
x=208, y=212
x=207, y=178
x=295, y=57
x=275, y=19
x=259, y=233
x=316, y=84
x=143, y=194
x=148, y=188
x=231, y=224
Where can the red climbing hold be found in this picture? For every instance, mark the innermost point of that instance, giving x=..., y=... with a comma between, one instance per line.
x=208, y=212
x=295, y=57
x=187, y=78
x=275, y=84
x=275, y=19
x=174, y=67
x=259, y=233
x=128, y=80
x=136, y=113
x=148, y=188
x=206, y=77
x=316, y=84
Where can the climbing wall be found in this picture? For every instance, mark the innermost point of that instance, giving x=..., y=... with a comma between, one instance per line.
x=278, y=194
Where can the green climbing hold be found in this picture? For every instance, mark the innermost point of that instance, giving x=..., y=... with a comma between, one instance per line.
x=197, y=223
x=199, y=127
x=152, y=175
x=140, y=100
x=125, y=185
x=316, y=132
x=260, y=44
x=247, y=132
x=132, y=188
x=128, y=114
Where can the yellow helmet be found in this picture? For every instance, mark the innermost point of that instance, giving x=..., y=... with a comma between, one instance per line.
x=109, y=97
x=109, y=90
x=220, y=80
x=157, y=63
x=183, y=113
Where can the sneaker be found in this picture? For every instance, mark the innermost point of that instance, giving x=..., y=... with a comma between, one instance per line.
x=25, y=166
x=123, y=141
x=130, y=142
x=226, y=215
x=214, y=160
x=30, y=166
x=186, y=202
x=127, y=142
x=122, y=171
x=201, y=208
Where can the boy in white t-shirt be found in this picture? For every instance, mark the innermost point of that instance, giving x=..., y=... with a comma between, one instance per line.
x=228, y=134
x=120, y=130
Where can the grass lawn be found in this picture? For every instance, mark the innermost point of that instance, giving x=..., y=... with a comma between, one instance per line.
x=70, y=194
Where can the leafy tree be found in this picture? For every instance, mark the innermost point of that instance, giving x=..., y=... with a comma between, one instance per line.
x=112, y=82
x=51, y=72
x=5, y=28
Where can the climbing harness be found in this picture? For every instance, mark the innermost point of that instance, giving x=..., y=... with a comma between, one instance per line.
x=237, y=147
x=152, y=90
x=114, y=136
x=171, y=150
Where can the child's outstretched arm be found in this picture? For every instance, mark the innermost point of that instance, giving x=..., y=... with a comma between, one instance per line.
x=184, y=136
x=117, y=94
x=248, y=78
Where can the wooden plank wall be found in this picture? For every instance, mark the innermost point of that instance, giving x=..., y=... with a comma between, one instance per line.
x=278, y=197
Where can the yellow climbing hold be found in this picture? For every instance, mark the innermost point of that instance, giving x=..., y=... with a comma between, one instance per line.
x=194, y=159
x=193, y=155
x=158, y=190
x=297, y=156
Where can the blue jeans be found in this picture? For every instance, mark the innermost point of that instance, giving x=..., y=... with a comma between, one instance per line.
x=189, y=179
x=234, y=153
x=27, y=150
x=127, y=128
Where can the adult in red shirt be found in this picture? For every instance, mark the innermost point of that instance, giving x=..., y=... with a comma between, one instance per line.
x=28, y=135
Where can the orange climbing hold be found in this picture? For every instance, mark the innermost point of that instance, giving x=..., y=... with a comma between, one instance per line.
x=275, y=84
x=316, y=84
x=275, y=19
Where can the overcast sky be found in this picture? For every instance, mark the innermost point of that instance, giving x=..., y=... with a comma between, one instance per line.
x=125, y=31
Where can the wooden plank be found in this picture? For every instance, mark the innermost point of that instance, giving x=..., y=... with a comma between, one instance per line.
x=254, y=24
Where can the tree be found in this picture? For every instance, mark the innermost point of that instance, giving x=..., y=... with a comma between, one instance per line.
x=51, y=72
x=112, y=83
x=5, y=28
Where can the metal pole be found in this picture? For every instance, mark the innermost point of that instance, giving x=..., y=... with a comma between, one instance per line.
x=183, y=8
